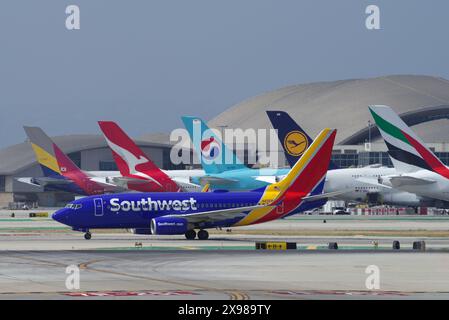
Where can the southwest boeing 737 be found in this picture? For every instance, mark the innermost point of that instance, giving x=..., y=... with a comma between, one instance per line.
x=174, y=213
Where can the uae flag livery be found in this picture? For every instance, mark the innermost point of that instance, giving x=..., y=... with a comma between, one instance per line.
x=406, y=149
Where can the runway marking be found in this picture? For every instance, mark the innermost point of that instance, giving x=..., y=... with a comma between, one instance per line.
x=344, y=292
x=238, y=295
x=129, y=293
x=86, y=266
x=234, y=295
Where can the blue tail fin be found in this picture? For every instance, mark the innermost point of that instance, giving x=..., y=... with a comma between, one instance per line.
x=214, y=155
x=293, y=138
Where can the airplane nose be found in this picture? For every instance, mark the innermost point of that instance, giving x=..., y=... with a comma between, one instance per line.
x=60, y=216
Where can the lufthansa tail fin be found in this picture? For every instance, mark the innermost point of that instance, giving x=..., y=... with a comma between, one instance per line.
x=407, y=151
x=292, y=137
x=214, y=154
x=131, y=160
x=310, y=170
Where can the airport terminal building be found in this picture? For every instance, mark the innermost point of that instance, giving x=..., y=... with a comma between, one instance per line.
x=422, y=101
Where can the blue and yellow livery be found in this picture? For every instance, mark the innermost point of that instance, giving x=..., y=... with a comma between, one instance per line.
x=172, y=213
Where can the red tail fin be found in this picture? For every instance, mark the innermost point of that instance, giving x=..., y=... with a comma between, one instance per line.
x=131, y=160
x=71, y=171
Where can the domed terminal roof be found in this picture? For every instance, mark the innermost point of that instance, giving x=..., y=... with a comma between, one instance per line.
x=344, y=105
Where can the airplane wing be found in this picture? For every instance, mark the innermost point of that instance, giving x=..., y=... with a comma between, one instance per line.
x=373, y=182
x=123, y=181
x=43, y=181
x=216, y=215
x=216, y=180
x=111, y=187
x=326, y=195
x=399, y=181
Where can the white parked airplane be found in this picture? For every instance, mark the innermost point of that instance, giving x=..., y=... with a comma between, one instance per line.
x=418, y=170
x=360, y=184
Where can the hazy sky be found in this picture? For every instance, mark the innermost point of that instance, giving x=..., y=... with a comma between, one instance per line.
x=144, y=63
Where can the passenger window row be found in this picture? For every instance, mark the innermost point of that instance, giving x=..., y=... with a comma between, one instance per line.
x=226, y=205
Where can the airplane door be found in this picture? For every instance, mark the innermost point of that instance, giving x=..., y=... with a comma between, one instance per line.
x=98, y=207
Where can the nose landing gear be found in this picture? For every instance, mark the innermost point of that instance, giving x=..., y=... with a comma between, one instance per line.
x=87, y=235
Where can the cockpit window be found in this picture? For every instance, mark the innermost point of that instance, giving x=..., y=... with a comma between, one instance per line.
x=74, y=206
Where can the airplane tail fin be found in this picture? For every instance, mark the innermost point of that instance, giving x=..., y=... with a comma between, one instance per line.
x=214, y=154
x=131, y=160
x=310, y=170
x=406, y=149
x=56, y=164
x=289, y=195
x=293, y=138
x=45, y=151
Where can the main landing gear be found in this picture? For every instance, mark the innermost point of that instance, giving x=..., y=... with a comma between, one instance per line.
x=190, y=234
x=87, y=235
x=202, y=234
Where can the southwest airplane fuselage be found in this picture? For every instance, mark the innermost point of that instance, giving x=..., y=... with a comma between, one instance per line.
x=171, y=213
x=136, y=210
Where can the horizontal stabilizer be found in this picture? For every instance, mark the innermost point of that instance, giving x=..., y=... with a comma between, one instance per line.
x=123, y=181
x=269, y=179
x=43, y=181
x=324, y=196
x=216, y=180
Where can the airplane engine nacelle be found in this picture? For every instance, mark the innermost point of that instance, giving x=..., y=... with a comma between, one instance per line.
x=141, y=231
x=169, y=226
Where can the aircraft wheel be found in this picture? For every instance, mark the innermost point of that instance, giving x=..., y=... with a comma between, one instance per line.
x=190, y=234
x=203, y=235
x=87, y=236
